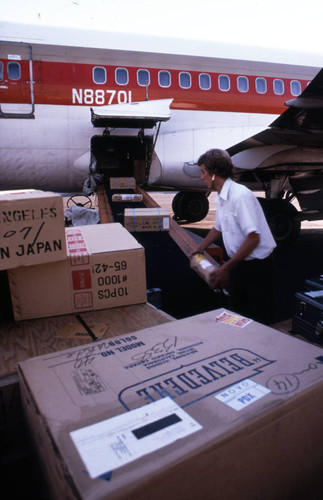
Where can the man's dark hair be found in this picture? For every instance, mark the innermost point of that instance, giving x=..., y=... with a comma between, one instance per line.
x=218, y=162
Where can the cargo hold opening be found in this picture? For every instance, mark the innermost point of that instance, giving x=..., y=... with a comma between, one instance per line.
x=122, y=156
x=127, y=155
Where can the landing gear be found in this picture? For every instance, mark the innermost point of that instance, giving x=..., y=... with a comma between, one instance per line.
x=282, y=219
x=190, y=206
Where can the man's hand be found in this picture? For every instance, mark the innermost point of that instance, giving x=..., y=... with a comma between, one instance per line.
x=221, y=277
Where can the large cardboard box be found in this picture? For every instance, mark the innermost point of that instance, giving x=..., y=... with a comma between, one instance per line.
x=31, y=228
x=105, y=267
x=211, y=406
x=146, y=219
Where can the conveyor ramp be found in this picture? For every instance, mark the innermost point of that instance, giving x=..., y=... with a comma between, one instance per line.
x=183, y=292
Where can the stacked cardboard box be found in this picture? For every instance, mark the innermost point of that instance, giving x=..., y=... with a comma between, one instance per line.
x=104, y=267
x=53, y=270
x=146, y=219
x=31, y=228
x=211, y=406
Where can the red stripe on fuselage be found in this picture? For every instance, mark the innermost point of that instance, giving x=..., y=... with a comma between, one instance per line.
x=70, y=84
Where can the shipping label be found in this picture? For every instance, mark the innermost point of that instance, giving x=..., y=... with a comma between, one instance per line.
x=243, y=394
x=117, y=441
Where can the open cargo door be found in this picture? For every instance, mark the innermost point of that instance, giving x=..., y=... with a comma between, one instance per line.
x=123, y=153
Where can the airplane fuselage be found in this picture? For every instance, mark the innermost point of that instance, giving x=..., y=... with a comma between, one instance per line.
x=47, y=91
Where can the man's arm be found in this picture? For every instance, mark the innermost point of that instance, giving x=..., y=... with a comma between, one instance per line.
x=210, y=238
x=222, y=273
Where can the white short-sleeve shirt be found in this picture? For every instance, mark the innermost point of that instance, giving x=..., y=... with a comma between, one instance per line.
x=238, y=214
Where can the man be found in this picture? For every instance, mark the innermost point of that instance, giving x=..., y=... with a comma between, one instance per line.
x=246, y=236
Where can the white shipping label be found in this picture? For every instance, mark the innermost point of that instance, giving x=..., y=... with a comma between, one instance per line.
x=240, y=395
x=114, y=442
x=205, y=264
x=166, y=222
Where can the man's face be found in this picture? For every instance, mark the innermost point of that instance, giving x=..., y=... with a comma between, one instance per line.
x=206, y=177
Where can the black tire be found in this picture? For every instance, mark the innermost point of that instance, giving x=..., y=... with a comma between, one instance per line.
x=175, y=205
x=282, y=220
x=190, y=206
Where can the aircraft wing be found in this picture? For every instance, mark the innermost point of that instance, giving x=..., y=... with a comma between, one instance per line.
x=300, y=125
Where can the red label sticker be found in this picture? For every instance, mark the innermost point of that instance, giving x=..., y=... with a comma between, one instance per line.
x=80, y=259
x=81, y=279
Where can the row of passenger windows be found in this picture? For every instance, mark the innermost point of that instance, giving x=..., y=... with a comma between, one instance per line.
x=185, y=81
x=165, y=80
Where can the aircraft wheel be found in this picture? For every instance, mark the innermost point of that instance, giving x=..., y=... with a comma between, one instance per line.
x=80, y=200
x=175, y=205
x=281, y=217
x=190, y=206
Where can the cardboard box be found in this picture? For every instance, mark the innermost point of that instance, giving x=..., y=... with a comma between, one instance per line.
x=211, y=406
x=31, y=228
x=105, y=268
x=146, y=219
x=122, y=183
x=127, y=197
x=204, y=266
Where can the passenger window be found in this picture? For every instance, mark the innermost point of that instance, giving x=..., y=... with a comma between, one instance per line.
x=224, y=83
x=243, y=84
x=279, y=87
x=261, y=85
x=13, y=70
x=99, y=75
x=185, y=80
x=1, y=70
x=295, y=87
x=204, y=81
x=122, y=77
x=143, y=77
x=164, y=79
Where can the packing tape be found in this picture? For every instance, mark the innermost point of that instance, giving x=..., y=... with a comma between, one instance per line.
x=80, y=266
x=134, y=219
x=160, y=219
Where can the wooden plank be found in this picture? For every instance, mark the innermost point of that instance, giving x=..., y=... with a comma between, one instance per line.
x=148, y=200
x=128, y=319
x=186, y=242
x=26, y=339
x=181, y=237
x=105, y=211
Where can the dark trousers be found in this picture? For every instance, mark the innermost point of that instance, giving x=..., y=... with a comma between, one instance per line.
x=252, y=289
